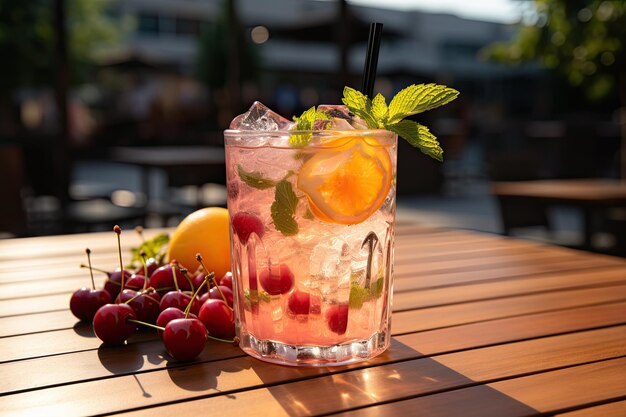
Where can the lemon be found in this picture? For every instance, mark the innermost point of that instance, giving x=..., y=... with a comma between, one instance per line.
x=205, y=231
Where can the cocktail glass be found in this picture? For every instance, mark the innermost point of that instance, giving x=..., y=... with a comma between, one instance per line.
x=312, y=232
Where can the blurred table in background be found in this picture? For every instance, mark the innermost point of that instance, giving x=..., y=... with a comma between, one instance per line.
x=524, y=203
x=183, y=166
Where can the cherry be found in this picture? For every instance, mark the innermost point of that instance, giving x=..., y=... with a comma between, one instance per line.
x=125, y=296
x=151, y=266
x=144, y=304
x=111, y=325
x=215, y=294
x=86, y=301
x=244, y=224
x=170, y=314
x=197, y=280
x=337, y=318
x=217, y=290
x=179, y=300
x=299, y=302
x=227, y=280
x=203, y=298
x=113, y=284
x=278, y=280
x=163, y=279
x=136, y=282
x=185, y=338
x=218, y=318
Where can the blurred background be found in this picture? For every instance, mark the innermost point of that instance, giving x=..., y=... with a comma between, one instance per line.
x=112, y=111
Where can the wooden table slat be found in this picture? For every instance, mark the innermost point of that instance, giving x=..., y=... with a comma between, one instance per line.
x=432, y=374
x=483, y=325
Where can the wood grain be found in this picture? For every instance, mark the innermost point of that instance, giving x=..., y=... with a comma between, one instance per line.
x=520, y=396
x=426, y=343
x=614, y=409
x=483, y=326
x=429, y=374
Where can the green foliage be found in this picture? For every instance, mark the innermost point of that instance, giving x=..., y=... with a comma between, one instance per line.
x=211, y=66
x=306, y=121
x=254, y=179
x=414, y=99
x=153, y=248
x=583, y=40
x=27, y=39
x=284, y=209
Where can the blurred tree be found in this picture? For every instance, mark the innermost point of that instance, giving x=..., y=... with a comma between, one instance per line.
x=226, y=56
x=582, y=39
x=27, y=40
x=585, y=40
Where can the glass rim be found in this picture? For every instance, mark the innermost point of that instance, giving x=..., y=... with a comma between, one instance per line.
x=356, y=132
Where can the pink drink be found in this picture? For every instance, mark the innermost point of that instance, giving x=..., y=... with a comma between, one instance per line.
x=319, y=292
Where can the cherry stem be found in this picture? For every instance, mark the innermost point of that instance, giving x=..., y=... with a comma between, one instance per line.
x=118, y=232
x=199, y=259
x=93, y=284
x=186, y=275
x=221, y=340
x=145, y=267
x=195, y=294
x=219, y=289
x=128, y=301
x=139, y=231
x=174, y=275
x=154, y=326
x=143, y=323
x=95, y=269
x=110, y=281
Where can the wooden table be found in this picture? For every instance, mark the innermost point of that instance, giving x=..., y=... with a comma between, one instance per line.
x=483, y=326
x=521, y=199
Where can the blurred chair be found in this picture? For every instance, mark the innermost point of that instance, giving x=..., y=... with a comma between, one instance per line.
x=517, y=166
x=12, y=213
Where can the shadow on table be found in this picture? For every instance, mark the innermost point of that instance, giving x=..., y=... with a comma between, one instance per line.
x=201, y=381
x=84, y=329
x=424, y=384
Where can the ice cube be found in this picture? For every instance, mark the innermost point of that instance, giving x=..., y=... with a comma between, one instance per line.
x=330, y=263
x=338, y=123
x=260, y=117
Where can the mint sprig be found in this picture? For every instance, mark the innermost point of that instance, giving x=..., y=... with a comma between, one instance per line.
x=153, y=248
x=284, y=209
x=359, y=295
x=414, y=99
x=306, y=121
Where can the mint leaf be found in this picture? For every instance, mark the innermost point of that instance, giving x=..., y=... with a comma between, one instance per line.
x=306, y=121
x=380, y=111
x=376, y=288
x=418, y=136
x=254, y=296
x=418, y=98
x=358, y=295
x=153, y=248
x=360, y=105
x=255, y=179
x=284, y=208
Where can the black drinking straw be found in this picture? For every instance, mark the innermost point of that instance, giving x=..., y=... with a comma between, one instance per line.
x=371, y=59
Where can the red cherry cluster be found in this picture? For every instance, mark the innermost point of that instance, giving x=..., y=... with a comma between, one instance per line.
x=161, y=298
x=280, y=280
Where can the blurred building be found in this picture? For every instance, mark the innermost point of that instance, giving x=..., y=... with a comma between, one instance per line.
x=301, y=35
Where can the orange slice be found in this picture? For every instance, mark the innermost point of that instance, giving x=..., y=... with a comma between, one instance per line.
x=347, y=180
